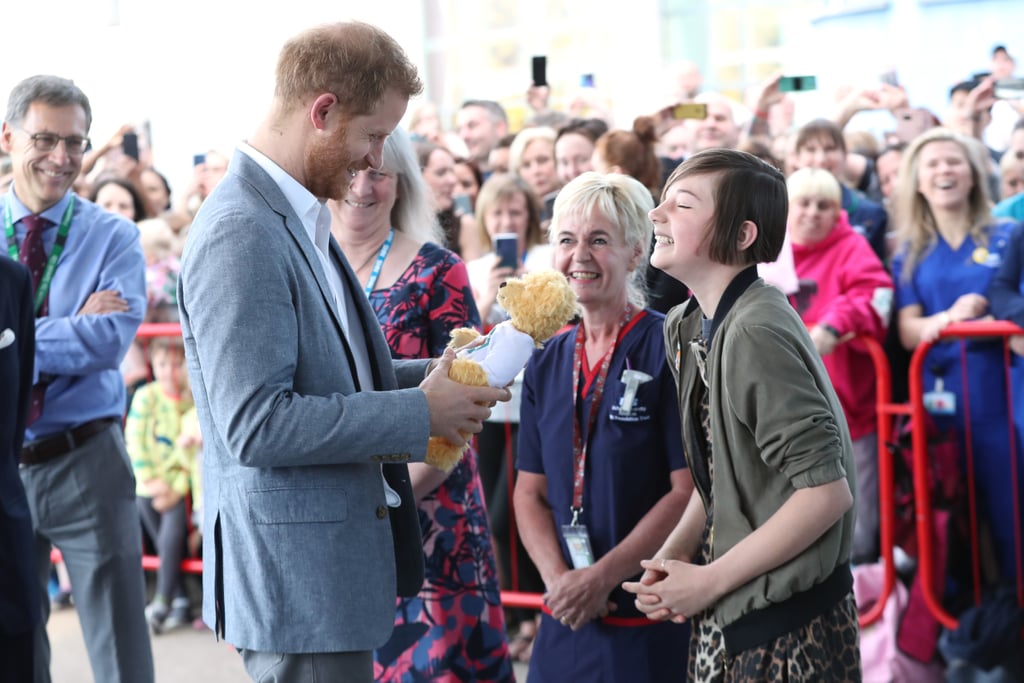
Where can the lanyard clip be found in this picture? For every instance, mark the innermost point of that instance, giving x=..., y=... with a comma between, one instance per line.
x=575, y=515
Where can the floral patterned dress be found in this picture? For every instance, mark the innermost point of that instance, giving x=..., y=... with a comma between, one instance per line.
x=454, y=630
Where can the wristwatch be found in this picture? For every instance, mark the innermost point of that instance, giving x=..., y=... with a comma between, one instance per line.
x=831, y=330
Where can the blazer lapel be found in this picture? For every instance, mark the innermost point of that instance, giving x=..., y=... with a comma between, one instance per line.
x=364, y=315
x=266, y=186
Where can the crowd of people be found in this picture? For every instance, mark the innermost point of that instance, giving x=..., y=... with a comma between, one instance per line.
x=686, y=473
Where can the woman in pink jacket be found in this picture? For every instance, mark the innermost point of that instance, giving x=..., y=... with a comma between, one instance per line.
x=844, y=291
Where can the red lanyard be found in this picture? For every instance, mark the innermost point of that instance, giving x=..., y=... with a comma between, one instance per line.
x=579, y=446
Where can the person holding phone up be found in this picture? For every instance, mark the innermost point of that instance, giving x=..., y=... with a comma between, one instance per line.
x=506, y=205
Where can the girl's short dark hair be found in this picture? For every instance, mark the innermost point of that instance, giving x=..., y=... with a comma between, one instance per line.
x=747, y=189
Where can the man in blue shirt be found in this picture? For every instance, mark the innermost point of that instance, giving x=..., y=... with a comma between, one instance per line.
x=88, y=278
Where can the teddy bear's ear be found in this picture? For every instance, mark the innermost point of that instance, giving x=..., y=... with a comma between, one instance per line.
x=509, y=291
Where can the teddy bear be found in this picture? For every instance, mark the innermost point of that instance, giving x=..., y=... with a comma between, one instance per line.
x=539, y=304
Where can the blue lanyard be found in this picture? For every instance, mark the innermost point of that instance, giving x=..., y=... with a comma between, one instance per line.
x=381, y=256
x=51, y=262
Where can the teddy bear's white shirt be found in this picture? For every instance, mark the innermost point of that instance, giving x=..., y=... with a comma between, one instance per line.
x=503, y=353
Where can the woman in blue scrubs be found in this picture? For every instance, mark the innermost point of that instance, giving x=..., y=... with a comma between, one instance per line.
x=949, y=251
x=602, y=477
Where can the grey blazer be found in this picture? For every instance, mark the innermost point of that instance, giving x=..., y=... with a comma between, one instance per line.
x=300, y=551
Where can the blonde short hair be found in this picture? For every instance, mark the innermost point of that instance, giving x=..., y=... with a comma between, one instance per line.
x=814, y=182
x=626, y=203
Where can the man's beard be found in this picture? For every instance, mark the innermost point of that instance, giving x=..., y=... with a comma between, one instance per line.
x=328, y=167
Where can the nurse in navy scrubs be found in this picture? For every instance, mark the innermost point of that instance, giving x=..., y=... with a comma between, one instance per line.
x=602, y=478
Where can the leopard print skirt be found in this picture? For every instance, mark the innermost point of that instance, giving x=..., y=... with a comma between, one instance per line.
x=825, y=649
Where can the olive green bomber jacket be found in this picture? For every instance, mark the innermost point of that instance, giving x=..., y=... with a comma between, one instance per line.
x=776, y=425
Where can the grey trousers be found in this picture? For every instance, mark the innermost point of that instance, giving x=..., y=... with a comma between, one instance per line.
x=168, y=530
x=84, y=503
x=321, y=667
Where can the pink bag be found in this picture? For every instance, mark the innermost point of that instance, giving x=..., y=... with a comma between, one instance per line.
x=882, y=660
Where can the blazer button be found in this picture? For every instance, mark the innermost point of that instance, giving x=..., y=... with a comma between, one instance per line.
x=382, y=512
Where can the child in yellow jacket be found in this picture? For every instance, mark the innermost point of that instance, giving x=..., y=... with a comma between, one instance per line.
x=162, y=472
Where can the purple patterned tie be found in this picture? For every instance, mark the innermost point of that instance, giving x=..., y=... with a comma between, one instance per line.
x=33, y=255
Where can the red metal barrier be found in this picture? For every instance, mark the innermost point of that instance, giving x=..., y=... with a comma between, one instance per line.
x=190, y=565
x=922, y=488
x=150, y=330
x=886, y=410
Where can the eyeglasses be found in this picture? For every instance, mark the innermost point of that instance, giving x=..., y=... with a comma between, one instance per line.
x=47, y=142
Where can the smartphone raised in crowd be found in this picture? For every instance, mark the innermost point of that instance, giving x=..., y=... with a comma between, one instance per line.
x=506, y=246
x=690, y=110
x=587, y=81
x=798, y=83
x=1009, y=89
x=130, y=145
x=540, y=70
x=463, y=205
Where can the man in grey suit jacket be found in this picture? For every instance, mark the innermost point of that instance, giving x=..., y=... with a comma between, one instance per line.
x=310, y=524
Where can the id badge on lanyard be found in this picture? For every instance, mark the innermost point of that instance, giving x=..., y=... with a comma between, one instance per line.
x=578, y=541
x=939, y=401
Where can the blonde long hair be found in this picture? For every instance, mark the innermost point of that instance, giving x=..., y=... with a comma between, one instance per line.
x=917, y=231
